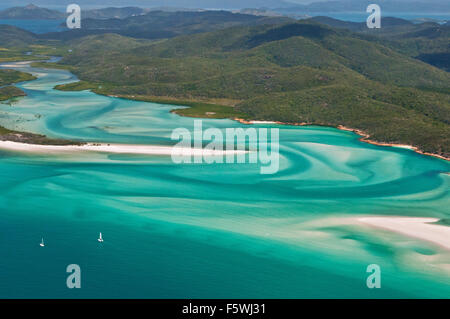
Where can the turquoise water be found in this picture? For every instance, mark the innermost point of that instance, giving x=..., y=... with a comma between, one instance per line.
x=207, y=230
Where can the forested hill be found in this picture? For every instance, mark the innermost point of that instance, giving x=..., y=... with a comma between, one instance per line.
x=429, y=42
x=31, y=12
x=163, y=24
x=302, y=72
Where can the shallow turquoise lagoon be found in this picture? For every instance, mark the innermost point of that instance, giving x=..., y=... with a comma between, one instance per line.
x=207, y=230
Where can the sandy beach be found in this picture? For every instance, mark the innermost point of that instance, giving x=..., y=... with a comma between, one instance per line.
x=15, y=65
x=113, y=148
x=415, y=227
x=263, y=122
x=364, y=136
x=366, y=139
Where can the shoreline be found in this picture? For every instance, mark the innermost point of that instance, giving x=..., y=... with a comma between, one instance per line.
x=7, y=135
x=365, y=137
x=114, y=148
x=422, y=228
x=18, y=64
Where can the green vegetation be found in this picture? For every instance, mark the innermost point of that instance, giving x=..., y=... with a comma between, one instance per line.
x=13, y=37
x=163, y=24
x=297, y=72
x=34, y=12
x=209, y=111
x=30, y=138
x=76, y=86
x=427, y=42
x=12, y=76
x=51, y=65
x=214, y=109
x=4, y=131
x=20, y=45
x=31, y=12
x=195, y=109
x=8, y=77
x=302, y=72
x=9, y=92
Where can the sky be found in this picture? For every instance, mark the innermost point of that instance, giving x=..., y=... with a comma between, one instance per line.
x=142, y=3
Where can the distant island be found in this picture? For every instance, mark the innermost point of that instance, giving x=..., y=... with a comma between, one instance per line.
x=391, y=6
x=31, y=12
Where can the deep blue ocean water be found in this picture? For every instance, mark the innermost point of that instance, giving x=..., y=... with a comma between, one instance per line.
x=362, y=16
x=36, y=26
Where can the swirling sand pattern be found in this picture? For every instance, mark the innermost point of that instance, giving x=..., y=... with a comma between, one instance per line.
x=211, y=231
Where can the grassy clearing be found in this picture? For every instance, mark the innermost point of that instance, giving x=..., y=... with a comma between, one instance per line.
x=195, y=108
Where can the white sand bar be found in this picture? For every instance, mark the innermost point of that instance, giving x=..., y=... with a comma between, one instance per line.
x=262, y=122
x=113, y=148
x=15, y=64
x=420, y=228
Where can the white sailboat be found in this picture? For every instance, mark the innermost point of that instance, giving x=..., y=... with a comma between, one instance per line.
x=100, y=238
x=42, y=243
